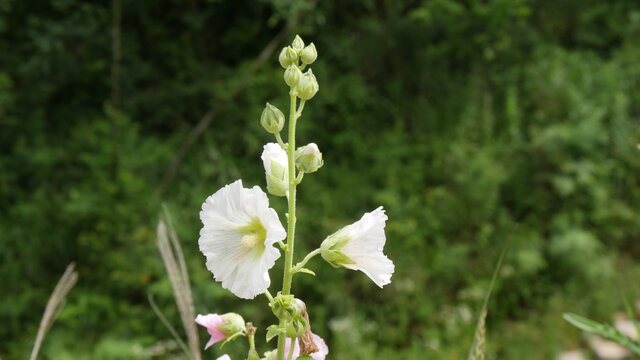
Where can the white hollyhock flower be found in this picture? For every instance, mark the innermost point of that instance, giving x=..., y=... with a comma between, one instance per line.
x=359, y=247
x=276, y=167
x=237, y=238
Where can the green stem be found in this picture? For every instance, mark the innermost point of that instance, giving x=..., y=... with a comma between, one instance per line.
x=291, y=220
x=293, y=346
x=268, y=295
x=279, y=139
x=304, y=261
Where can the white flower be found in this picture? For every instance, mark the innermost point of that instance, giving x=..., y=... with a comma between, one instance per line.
x=237, y=238
x=359, y=247
x=276, y=167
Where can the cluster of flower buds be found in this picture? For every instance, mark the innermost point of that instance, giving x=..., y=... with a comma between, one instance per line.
x=294, y=59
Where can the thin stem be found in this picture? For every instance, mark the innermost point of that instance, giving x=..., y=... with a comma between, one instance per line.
x=293, y=345
x=299, y=112
x=291, y=219
x=268, y=295
x=282, y=144
x=304, y=261
x=299, y=178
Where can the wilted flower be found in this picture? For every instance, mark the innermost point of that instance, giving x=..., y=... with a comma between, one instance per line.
x=237, y=238
x=276, y=168
x=322, y=352
x=359, y=247
x=220, y=327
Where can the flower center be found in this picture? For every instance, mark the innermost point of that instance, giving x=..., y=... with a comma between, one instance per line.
x=250, y=240
x=253, y=236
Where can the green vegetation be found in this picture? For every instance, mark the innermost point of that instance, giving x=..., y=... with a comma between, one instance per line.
x=470, y=121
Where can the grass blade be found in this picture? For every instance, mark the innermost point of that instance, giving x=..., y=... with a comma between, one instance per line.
x=51, y=311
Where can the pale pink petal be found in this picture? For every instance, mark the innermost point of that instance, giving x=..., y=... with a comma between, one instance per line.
x=211, y=321
x=322, y=352
x=224, y=357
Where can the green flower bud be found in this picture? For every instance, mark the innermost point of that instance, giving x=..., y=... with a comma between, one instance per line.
x=272, y=119
x=296, y=327
x=233, y=324
x=292, y=75
x=284, y=307
x=330, y=250
x=307, y=86
x=288, y=57
x=309, y=158
x=309, y=54
x=297, y=44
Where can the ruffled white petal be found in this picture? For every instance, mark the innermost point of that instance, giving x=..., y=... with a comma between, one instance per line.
x=224, y=214
x=365, y=246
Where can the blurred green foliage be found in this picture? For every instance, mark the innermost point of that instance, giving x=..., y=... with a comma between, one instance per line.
x=470, y=121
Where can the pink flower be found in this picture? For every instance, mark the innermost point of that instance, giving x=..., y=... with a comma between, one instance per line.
x=224, y=357
x=319, y=355
x=211, y=322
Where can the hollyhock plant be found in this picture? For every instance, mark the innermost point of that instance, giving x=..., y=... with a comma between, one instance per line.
x=241, y=234
x=359, y=247
x=237, y=238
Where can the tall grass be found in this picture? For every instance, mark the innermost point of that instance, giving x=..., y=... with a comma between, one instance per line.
x=54, y=305
x=173, y=258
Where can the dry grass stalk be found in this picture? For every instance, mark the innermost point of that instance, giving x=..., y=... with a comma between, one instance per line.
x=175, y=265
x=51, y=311
x=480, y=347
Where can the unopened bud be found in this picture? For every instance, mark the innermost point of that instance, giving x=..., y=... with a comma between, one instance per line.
x=297, y=44
x=276, y=168
x=309, y=54
x=292, y=75
x=284, y=307
x=288, y=57
x=233, y=323
x=272, y=119
x=309, y=158
x=307, y=86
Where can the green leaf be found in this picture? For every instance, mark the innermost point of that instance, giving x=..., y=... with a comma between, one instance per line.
x=607, y=331
x=274, y=330
x=307, y=271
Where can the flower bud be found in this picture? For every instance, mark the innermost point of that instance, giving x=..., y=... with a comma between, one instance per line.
x=287, y=57
x=309, y=54
x=297, y=44
x=307, y=86
x=276, y=168
x=272, y=119
x=309, y=158
x=284, y=307
x=292, y=75
x=233, y=324
x=296, y=327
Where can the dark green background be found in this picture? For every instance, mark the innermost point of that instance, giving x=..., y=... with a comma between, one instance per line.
x=470, y=121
